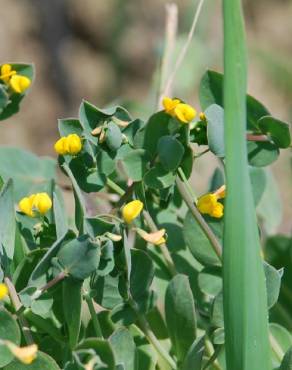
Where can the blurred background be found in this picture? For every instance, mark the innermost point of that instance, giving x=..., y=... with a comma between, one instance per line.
x=110, y=51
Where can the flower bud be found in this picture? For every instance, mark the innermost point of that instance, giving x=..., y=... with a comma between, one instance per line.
x=74, y=144
x=132, y=210
x=42, y=202
x=60, y=146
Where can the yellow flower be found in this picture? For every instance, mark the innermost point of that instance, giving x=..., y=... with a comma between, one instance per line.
x=60, y=146
x=39, y=203
x=6, y=72
x=202, y=116
x=132, y=210
x=25, y=205
x=3, y=291
x=42, y=202
x=156, y=238
x=169, y=105
x=19, y=83
x=208, y=203
x=26, y=355
x=70, y=144
x=184, y=112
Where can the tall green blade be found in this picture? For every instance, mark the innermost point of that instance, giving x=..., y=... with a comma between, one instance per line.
x=245, y=301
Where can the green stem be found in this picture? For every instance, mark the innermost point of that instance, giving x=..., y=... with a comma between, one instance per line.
x=163, y=247
x=182, y=188
x=151, y=336
x=93, y=315
x=187, y=184
x=17, y=304
x=213, y=356
x=115, y=187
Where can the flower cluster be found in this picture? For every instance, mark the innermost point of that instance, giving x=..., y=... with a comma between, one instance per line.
x=183, y=112
x=70, y=144
x=208, y=203
x=16, y=82
x=35, y=204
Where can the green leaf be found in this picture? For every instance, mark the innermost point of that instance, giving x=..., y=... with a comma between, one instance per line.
x=211, y=92
x=273, y=282
x=113, y=137
x=9, y=330
x=142, y=273
x=4, y=98
x=80, y=210
x=262, y=153
x=30, y=173
x=270, y=206
x=245, y=298
x=170, y=152
x=187, y=162
x=102, y=348
x=194, y=356
x=80, y=257
x=258, y=180
x=38, y=276
x=180, y=315
x=281, y=341
x=43, y=362
x=70, y=126
x=215, y=129
x=135, y=164
x=197, y=241
x=107, y=291
x=148, y=136
x=210, y=280
x=72, y=300
x=159, y=178
x=217, y=317
x=7, y=219
x=286, y=364
x=60, y=216
x=124, y=348
x=277, y=130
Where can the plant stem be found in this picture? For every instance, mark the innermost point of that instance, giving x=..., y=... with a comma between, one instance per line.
x=17, y=304
x=163, y=247
x=152, y=226
x=184, y=50
x=187, y=184
x=182, y=188
x=213, y=357
x=115, y=187
x=151, y=336
x=93, y=315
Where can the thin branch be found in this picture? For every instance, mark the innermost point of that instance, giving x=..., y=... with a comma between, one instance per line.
x=170, y=38
x=198, y=217
x=17, y=304
x=184, y=50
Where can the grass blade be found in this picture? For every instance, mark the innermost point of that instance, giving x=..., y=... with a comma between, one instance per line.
x=245, y=301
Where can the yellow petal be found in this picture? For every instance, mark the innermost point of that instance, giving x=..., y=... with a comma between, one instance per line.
x=60, y=146
x=3, y=291
x=19, y=83
x=170, y=104
x=185, y=113
x=132, y=210
x=24, y=354
x=202, y=116
x=217, y=211
x=221, y=192
x=206, y=203
x=74, y=144
x=42, y=202
x=156, y=238
x=6, y=72
x=25, y=206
